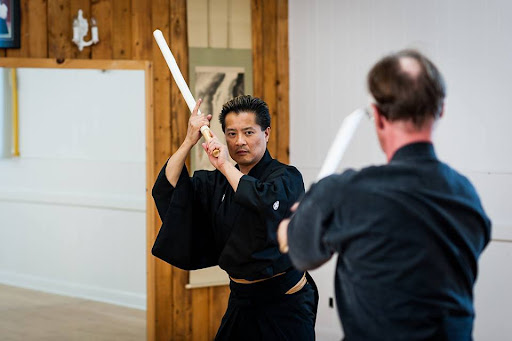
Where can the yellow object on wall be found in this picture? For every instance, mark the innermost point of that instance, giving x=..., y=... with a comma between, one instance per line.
x=15, y=121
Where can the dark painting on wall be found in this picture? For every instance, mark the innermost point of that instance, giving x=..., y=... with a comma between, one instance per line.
x=9, y=23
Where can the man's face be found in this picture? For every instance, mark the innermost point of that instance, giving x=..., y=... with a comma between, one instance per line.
x=245, y=139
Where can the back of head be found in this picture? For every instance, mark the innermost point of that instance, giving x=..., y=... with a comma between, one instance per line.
x=407, y=86
x=249, y=104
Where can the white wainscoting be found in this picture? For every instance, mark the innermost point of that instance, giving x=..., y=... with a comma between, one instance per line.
x=96, y=252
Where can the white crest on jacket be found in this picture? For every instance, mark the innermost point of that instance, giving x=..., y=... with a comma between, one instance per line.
x=276, y=205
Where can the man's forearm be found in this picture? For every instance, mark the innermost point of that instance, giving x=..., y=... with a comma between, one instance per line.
x=305, y=237
x=232, y=174
x=176, y=163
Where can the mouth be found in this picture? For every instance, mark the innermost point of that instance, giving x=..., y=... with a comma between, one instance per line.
x=242, y=152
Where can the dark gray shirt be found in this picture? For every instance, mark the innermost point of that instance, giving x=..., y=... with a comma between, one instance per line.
x=408, y=235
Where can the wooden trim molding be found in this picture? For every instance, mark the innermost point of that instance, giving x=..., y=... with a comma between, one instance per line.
x=102, y=64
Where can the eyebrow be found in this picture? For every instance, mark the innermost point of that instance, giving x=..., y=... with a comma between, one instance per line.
x=243, y=129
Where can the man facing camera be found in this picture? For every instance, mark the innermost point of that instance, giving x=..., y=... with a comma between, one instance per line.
x=229, y=217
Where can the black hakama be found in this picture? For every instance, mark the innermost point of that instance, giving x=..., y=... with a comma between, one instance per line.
x=262, y=311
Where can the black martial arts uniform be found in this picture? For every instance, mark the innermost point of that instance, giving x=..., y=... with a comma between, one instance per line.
x=408, y=235
x=206, y=223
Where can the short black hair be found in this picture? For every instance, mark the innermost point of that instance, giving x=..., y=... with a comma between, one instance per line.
x=246, y=103
x=402, y=96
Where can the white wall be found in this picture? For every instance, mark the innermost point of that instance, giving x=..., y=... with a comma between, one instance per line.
x=333, y=44
x=72, y=206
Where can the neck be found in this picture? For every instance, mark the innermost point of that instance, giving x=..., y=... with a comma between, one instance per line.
x=404, y=133
x=245, y=170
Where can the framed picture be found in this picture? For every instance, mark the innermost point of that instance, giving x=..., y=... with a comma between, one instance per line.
x=9, y=23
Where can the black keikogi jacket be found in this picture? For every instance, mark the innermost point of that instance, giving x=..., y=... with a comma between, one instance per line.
x=408, y=234
x=206, y=223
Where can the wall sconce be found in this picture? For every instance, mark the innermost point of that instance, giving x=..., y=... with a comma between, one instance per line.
x=80, y=29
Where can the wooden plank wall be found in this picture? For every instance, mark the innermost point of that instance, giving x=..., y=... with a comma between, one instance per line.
x=271, y=69
x=125, y=30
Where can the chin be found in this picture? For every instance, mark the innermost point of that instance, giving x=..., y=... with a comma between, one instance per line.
x=243, y=162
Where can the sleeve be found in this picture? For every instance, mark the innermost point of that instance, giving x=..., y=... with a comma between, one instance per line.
x=185, y=239
x=273, y=197
x=309, y=224
x=284, y=185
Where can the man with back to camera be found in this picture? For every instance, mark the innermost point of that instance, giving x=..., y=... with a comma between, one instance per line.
x=408, y=233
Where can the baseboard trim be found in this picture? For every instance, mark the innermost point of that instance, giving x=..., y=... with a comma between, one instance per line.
x=117, y=297
x=501, y=232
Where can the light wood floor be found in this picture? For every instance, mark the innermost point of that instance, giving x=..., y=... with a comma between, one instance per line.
x=33, y=315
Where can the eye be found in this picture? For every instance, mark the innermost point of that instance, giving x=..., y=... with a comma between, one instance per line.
x=249, y=132
x=231, y=134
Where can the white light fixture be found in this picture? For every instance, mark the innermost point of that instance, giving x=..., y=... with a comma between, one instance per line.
x=80, y=29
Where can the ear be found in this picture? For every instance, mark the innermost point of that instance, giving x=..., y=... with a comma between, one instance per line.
x=267, y=134
x=442, y=111
x=378, y=118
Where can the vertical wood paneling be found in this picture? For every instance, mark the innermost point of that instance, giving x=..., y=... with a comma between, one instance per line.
x=182, y=306
x=60, y=30
x=270, y=68
x=162, y=313
x=283, y=83
x=178, y=42
x=101, y=10
x=74, y=6
x=257, y=46
x=36, y=15
x=162, y=85
x=142, y=37
x=200, y=314
x=121, y=29
x=152, y=219
x=218, y=304
x=179, y=46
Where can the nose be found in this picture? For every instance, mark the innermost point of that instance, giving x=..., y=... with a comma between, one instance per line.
x=240, y=140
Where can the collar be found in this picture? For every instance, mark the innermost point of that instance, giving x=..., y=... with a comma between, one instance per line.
x=259, y=168
x=415, y=151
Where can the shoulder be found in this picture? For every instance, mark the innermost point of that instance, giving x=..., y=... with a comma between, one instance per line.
x=206, y=173
x=350, y=180
x=458, y=182
x=207, y=177
x=347, y=178
x=279, y=169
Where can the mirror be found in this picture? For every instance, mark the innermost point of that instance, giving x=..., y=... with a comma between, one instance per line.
x=73, y=204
